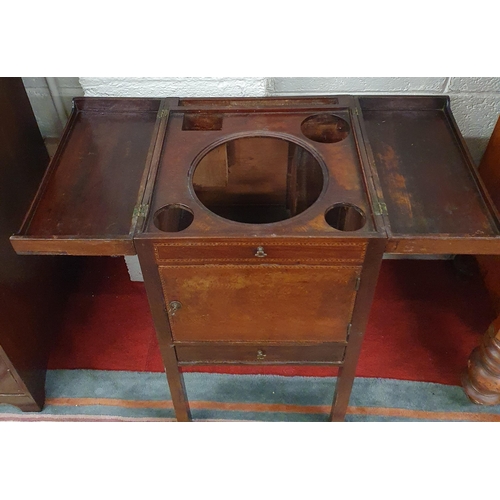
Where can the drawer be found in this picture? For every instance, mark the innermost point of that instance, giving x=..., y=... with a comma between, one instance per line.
x=219, y=353
x=261, y=252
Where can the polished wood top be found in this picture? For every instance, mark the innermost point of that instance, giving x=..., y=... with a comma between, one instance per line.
x=322, y=168
x=430, y=186
x=253, y=156
x=87, y=199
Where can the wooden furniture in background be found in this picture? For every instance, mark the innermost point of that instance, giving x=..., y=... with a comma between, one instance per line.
x=489, y=169
x=482, y=379
x=31, y=288
x=260, y=224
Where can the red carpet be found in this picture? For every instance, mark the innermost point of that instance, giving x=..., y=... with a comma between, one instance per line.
x=425, y=320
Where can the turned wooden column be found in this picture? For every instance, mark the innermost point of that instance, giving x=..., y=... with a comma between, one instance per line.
x=481, y=382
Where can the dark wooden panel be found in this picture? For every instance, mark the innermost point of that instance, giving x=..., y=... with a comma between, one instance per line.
x=342, y=178
x=211, y=352
x=32, y=289
x=285, y=251
x=95, y=180
x=267, y=103
x=443, y=245
x=429, y=183
x=260, y=303
x=27, y=245
x=489, y=169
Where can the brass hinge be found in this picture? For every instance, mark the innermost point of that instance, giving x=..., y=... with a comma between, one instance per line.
x=141, y=210
x=356, y=112
x=380, y=208
x=356, y=285
x=349, y=326
x=164, y=112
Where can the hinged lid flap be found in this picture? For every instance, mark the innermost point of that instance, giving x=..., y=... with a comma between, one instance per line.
x=430, y=193
x=92, y=197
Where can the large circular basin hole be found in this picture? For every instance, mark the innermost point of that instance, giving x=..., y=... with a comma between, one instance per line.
x=325, y=128
x=173, y=218
x=258, y=180
x=345, y=217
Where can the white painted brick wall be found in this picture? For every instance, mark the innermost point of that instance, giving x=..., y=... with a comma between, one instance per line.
x=358, y=85
x=175, y=87
x=474, y=84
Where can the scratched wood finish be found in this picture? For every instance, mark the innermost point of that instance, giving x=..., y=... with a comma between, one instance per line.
x=429, y=183
x=238, y=303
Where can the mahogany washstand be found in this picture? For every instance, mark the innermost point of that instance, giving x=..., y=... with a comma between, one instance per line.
x=260, y=224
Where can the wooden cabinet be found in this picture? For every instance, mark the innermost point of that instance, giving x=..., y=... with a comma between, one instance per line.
x=31, y=288
x=260, y=224
x=481, y=380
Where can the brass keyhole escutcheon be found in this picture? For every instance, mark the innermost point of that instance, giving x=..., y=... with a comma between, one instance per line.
x=260, y=252
x=173, y=307
x=261, y=355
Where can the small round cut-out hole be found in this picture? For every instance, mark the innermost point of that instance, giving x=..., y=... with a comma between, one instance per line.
x=345, y=217
x=325, y=128
x=173, y=218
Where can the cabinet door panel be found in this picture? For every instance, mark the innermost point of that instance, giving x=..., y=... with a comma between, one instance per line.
x=259, y=303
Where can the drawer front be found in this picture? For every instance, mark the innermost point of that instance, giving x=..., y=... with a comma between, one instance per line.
x=8, y=384
x=259, y=354
x=238, y=303
x=261, y=252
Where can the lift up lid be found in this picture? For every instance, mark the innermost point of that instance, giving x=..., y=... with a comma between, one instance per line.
x=431, y=196
x=422, y=182
x=90, y=200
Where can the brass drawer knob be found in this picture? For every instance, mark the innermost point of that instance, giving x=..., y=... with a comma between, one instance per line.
x=260, y=252
x=261, y=355
x=173, y=307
